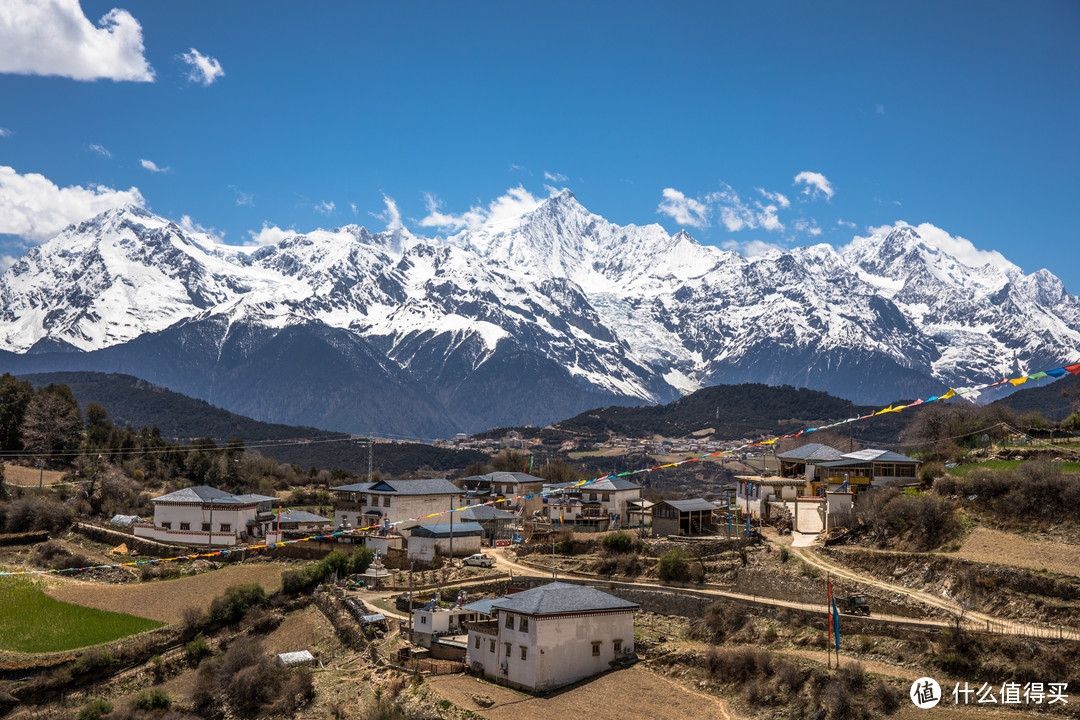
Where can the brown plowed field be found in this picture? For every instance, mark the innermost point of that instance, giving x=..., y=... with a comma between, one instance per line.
x=1003, y=548
x=164, y=599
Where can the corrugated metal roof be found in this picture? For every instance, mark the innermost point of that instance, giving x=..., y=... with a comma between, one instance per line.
x=300, y=657
x=811, y=451
x=691, y=505
x=443, y=529
x=558, y=597
x=303, y=516
x=199, y=494
x=879, y=456
x=487, y=512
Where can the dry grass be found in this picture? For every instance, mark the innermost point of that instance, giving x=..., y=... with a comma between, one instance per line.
x=614, y=696
x=164, y=600
x=30, y=477
x=1003, y=548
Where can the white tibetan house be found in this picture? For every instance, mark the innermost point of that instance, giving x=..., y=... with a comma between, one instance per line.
x=551, y=636
x=204, y=515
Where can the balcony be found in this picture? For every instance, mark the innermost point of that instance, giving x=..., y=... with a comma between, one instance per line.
x=486, y=627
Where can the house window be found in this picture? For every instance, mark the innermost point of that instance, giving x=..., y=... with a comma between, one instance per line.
x=606, y=497
x=524, y=625
x=423, y=620
x=226, y=527
x=596, y=648
x=185, y=526
x=507, y=650
x=476, y=644
x=167, y=525
x=386, y=501
x=618, y=646
x=509, y=621
x=206, y=527
x=491, y=646
x=523, y=652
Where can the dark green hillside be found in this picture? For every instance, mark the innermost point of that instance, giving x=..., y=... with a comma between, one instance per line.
x=737, y=411
x=1055, y=401
x=135, y=403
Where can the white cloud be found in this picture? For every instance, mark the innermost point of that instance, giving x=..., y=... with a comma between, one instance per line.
x=101, y=150
x=269, y=235
x=816, y=184
x=204, y=69
x=845, y=223
x=751, y=249
x=355, y=208
x=34, y=208
x=325, y=207
x=778, y=198
x=152, y=166
x=54, y=37
x=810, y=227
x=190, y=227
x=555, y=177
x=879, y=109
x=500, y=214
x=243, y=198
x=4, y=132
x=684, y=210
x=960, y=248
x=6, y=261
x=735, y=215
x=391, y=215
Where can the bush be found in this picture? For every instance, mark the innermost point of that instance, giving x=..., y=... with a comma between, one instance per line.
x=618, y=542
x=95, y=709
x=196, y=650
x=887, y=697
x=673, y=565
x=92, y=661
x=157, y=700
x=231, y=606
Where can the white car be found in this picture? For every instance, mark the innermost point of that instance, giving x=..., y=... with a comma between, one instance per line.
x=479, y=560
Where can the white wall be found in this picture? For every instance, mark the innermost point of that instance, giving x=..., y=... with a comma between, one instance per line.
x=423, y=549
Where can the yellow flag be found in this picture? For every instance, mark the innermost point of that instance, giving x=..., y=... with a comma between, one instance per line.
x=950, y=394
x=1019, y=381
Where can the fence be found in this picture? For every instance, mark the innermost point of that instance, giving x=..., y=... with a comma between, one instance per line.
x=428, y=667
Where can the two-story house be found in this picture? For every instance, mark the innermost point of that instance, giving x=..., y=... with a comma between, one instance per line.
x=204, y=515
x=550, y=636
x=393, y=501
x=508, y=488
x=604, y=500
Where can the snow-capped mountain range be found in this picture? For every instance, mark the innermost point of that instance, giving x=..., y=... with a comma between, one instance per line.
x=529, y=320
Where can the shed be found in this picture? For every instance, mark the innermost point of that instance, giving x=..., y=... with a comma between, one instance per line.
x=683, y=517
x=461, y=538
x=295, y=659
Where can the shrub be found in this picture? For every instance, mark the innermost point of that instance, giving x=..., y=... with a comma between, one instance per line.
x=155, y=700
x=95, y=709
x=696, y=572
x=361, y=560
x=887, y=697
x=784, y=554
x=673, y=565
x=196, y=650
x=92, y=661
x=231, y=606
x=618, y=542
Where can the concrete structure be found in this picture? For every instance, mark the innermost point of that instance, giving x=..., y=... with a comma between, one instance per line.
x=506, y=486
x=550, y=636
x=639, y=512
x=204, y=515
x=425, y=541
x=385, y=502
x=802, y=461
x=497, y=524
x=868, y=467
x=683, y=517
x=302, y=522
x=603, y=501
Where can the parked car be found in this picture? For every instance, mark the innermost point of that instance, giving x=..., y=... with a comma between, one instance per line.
x=479, y=560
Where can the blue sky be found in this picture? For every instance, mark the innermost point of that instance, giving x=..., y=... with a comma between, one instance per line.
x=958, y=114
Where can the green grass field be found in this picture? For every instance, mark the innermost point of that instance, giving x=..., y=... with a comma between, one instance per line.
x=1069, y=467
x=33, y=622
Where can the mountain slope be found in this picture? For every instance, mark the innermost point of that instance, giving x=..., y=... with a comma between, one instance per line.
x=518, y=320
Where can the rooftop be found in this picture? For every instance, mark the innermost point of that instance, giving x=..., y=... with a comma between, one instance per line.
x=879, y=456
x=691, y=505
x=557, y=598
x=487, y=512
x=207, y=494
x=811, y=451
x=433, y=486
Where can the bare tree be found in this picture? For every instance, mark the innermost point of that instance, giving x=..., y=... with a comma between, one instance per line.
x=52, y=424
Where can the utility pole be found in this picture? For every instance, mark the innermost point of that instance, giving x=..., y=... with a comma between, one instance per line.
x=828, y=613
x=553, y=576
x=451, y=530
x=370, y=445
x=410, y=599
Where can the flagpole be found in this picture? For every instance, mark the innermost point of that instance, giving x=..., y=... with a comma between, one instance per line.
x=828, y=611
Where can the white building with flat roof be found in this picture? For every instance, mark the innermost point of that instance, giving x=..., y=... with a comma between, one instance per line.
x=387, y=502
x=551, y=636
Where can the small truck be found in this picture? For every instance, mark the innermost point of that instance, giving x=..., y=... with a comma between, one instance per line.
x=853, y=605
